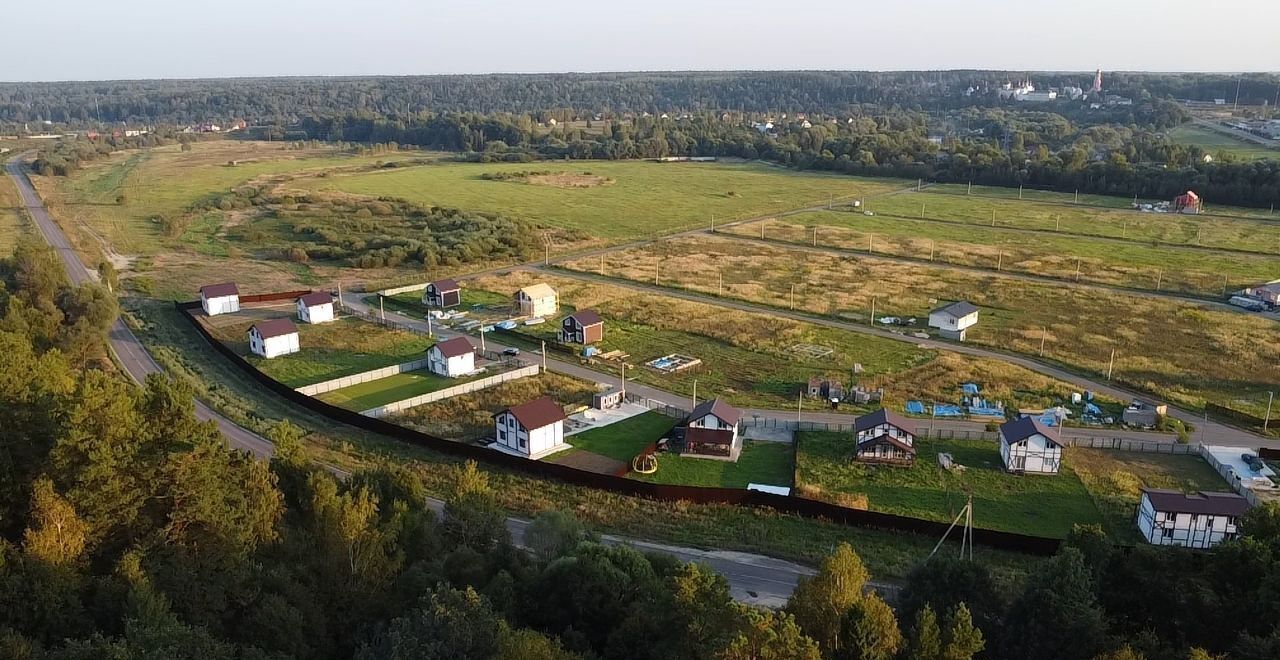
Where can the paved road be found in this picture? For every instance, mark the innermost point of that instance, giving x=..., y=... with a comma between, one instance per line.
x=753, y=578
x=1207, y=430
x=128, y=350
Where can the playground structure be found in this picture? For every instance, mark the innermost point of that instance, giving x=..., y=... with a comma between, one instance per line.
x=645, y=464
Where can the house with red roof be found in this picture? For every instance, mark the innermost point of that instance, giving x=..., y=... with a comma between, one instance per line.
x=452, y=358
x=220, y=298
x=315, y=307
x=533, y=429
x=710, y=431
x=582, y=327
x=1192, y=520
x=442, y=294
x=273, y=338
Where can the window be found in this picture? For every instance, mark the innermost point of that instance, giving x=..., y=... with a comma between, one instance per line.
x=1167, y=532
x=502, y=434
x=524, y=442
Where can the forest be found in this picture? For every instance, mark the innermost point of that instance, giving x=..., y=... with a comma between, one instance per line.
x=129, y=530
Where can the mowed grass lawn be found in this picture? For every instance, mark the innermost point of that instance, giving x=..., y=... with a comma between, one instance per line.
x=1116, y=479
x=1103, y=261
x=760, y=462
x=1216, y=143
x=331, y=350
x=639, y=197
x=623, y=440
x=1039, y=505
x=382, y=391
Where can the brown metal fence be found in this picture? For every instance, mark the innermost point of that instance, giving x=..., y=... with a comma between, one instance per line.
x=699, y=494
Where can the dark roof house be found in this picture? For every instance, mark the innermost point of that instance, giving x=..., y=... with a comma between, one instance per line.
x=537, y=413
x=882, y=416
x=451, y=348
x=445, y=285
x=1201, y=503
x=586, y=317
x=1024, y=427
x=274, y=328
x=316, y=298
x=958, y=309
x=219, y=290
x=723, y=411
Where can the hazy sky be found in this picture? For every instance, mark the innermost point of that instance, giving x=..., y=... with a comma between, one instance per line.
x=91, y=39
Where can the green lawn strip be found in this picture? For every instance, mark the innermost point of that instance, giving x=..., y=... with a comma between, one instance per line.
x=761, y=462
x=399, y=387
x=1086, y=200
x=640, y=197
x=888, y=555
x=623, y=440
x=1217, y=143
x=1040, y=505
x=333, y=350
x=1116, y=479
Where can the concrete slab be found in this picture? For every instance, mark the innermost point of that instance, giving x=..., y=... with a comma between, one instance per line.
x=768, y=434
x=594, y=419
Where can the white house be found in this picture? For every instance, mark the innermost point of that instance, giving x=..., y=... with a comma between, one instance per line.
x=534, y=428
x=315, y=307
x=537, y=300
x=710, y=430
x=884, y=437
x=1026, y=445
x=220, y=298
x=1197, y=520
x=952, y=320
x=452, y=358
x=273, y=338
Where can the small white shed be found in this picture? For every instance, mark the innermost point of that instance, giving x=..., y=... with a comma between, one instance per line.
x=220, y=298
x=273, y=338
x=452, y=358
x=952, y=320
x=315, y=307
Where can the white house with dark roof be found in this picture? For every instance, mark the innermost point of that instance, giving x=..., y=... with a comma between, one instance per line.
x=534, y=428
x=315, y=307
x=1193, y=520
x=884, y=437
x=220, y=298
x=1027, y=446
x=273, y=338
x=442, y=294
x=537, y=300
x=952, y=320
x=710, y=431
x=452, y=358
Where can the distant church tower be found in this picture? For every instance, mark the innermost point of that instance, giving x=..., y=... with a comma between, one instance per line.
x=1097, y=83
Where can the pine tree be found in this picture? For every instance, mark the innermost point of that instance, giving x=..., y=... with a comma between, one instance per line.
x=925, y=642
x=964, y=640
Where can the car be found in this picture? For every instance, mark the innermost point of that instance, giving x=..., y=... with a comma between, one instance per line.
x=510, y=351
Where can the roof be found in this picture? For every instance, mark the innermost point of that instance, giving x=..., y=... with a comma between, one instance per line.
x=710, y=436
x=219, y=290
x=883, y=416
x=886, y=439
x=539, y=290
x=451, y=348
x=720, y=409
x=445, y=285
x=1024, y=427
x=275, y=328
x=1218, y=504
x=586, y=317
x=537, y=413
x=317, y=298
x=957, y=309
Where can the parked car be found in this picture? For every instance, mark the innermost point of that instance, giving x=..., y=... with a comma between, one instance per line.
x=511, y=351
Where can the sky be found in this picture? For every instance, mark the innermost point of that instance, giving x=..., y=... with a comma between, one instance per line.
x=133, y=39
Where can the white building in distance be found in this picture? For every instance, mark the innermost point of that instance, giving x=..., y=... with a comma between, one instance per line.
x=273, y=338
x=220, y=298
x=315, y=307
x=452, y=358
x=1197, y=520
x=952, y=320
x=534, y=428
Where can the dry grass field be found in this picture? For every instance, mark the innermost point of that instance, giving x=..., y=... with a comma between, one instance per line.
x=13, y=220
x=1177, y=350
x=1069, y=258
x=747, y=357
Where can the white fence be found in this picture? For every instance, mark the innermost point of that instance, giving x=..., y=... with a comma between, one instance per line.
x=464, y=388
x=363, y=377
x=403, y=289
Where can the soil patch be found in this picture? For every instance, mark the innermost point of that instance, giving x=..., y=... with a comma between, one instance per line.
x=568, y=180
x=585, y=460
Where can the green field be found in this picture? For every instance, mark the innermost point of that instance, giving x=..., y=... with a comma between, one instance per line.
x=1216, y=143
x=1087, y=200
x=1040, y=505
x=1177, y=350
x=642, y=198
x=329, y=350
x=1101, y=261
x=389, y=390
x=760, y=462
x=1116, y=479
x=623, y=440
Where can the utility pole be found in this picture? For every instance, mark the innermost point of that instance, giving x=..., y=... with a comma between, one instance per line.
x=655, y=273
x=1057, y=222
x=1236, y=104
x=430, y=333
x=713, y=223
x=793, y=297
x=624, y=380
x=1159, y=275
x=918, y=184
x=1111, y=364
x=799, y=407
x=931, y=246
x=694, y=404
x=1077, y=269
x=870, y=237
x=1044, y=332
x=546, y=261
x=340, y=305
x=999, y=261
x=602, y=264
x=1077, y=196
x=872, y=320
x=970, y=190
x=922, y=210
x=382, y=311
x=482, y=346
x=1124, y=231
x=1224, y=285
x=1266, y=421
x=815, y=236
x=993, y=217
x=720, y=288
x=1019, y=192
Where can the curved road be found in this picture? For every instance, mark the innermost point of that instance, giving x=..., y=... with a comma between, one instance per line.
x=753, y=578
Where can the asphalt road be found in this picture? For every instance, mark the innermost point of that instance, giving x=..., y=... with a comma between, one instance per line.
x=752, y=578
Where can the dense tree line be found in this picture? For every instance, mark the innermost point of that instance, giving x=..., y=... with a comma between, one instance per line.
x=268, y=101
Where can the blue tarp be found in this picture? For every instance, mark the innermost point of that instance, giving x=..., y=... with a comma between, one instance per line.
x=986, y=411
x=915, y=408
x=1091, y=409
x=946, y=410
x=1049, y=419
x=970, y=388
